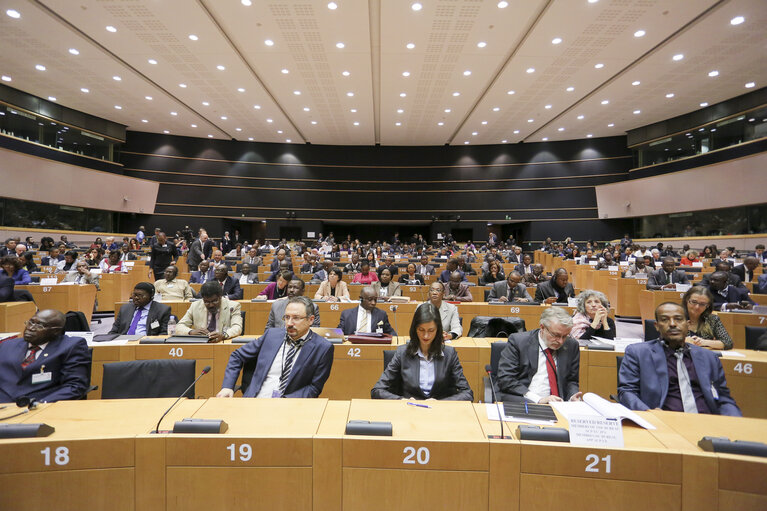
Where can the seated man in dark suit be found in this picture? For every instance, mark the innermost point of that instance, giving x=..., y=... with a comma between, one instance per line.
x=556, y=290
x=464, y=266
x=203, y=275
x=745, y=271
x=53, y=258
x=526, y=266
x=536, y=277
x=452, y=265
x=126, y=254
x=285, y=264
x=733, y=297
x=322, y=273
x=231, y=287
x=44, y=364
x=424, y=268
x=670, y=374
x=542, y=365
x=142, y=315
x=6, y=289
x=510, y=290
x=666, y=277
x=367, y=317
x=289, y=362
x=723, y=266
x=457, y=291
x=759, y=254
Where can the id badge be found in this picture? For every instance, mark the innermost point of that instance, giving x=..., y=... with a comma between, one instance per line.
x=155, y=324
x=714, y=392
x=42, y=378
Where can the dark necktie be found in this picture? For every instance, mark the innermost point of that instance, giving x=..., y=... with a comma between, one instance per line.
x=31, y=357
x=212, y=323
x=134, y=323
x=552, y=372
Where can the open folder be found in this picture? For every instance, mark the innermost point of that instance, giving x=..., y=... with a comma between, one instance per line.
x=597, y=406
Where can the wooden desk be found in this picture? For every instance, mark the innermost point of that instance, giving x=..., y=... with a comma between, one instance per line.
x=14, y=314
x=736, y=323
x=76, y=297
x=114, y=287
x=356, y=369
x=624, y=295
x=649, y=301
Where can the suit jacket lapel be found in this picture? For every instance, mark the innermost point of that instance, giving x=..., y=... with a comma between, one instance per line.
x=411, y=367
x=304, y=355
x=532, y=351
x=19, y=351
x=659, y=361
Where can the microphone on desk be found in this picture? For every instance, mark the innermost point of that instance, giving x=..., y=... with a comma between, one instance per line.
x=205, y=371
x=26, y=402
x=489, y=371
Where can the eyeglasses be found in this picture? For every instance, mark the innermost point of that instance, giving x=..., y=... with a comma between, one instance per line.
x=33, y=323
x=557, y=336
x=293, y=319
x=698, y=304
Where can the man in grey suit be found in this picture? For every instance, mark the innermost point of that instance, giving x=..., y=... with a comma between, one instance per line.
x=425, y=268
x=510, y=290
x=245, y=275
x=152, y=316
x=195, y=254
x=448, y=313
x=541, y=366
x=295, y=288
x=666, y=277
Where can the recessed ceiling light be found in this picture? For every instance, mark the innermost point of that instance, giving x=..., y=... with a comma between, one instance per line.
x=589, y=135
x=110, y=28
x=635, y=82
x=593, y=1
x=705, y=103
x=474, y=133
x=599, y=66
x=402, y=95
x=193, y=125
x=40, y=67
x=750, y=85
x=246, y=3
x=116, y=78
x=406, y=73
x=240, y=89
x=530, y=120
x=399, y=110
x=637, y=112
x=350, y=94
x=504, y=141
x=13, y=13
x=605, y=101
x=516, y=132
x=556, y=40
x=152, y=61
x=210, y=136
x=440, y=123
x=580, y=117
x=332, y=6
x=356, y=123
x=314, y=122
x=447, y=110
x=467, y=73
x=670, y=95
x=398, y=124
x=510, y=92
x=456, y=94
x=82, y=89
x=416, y=6
x=561, y=129
x=223, y=117
x=6, y=78
x=639, y=33
x=484, y=122
x=257, y=107
x=481, y=44
x=737, y=20
x=306, y=109
x=611, y=125
x=220, y=67
x=545, y=139
x=269, y=42
x=713, y=73
x=410, y=46
x=466, y=142
x=51, y=98
x=251, y=139
x=570, y=89
x=496, y=109
x=118, y=107
x=345, y=73
x=340, y=45
x=74, y=51
x=297, y=92
x=678, y=57
x=531, y=70
x=503, y=4
x=174, y=113
x=193, y=37
x=270, y=120
x=547, y=107
x=165, y=131
x=182, y=85
x=279, y=132
x=353, y=110
x=288, y=140
x=144, y=120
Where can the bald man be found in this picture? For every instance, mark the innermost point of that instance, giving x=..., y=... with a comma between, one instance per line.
x=44, y=364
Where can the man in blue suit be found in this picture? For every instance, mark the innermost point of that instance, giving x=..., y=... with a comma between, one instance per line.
x=727, y=294
x=366, y=317
x=45, y=364
x=669, y=374
x=203, y=275
x=289, y=362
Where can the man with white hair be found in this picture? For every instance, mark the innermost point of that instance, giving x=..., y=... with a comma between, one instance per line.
x=20, y=249
x=541, y=366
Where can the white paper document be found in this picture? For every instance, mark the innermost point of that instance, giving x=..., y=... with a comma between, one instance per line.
x=593, y=405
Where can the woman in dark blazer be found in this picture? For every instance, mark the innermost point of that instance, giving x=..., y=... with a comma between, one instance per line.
x=411, y=277
x=426, y=348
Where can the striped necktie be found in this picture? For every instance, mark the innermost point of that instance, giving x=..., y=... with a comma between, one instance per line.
x=287, y=365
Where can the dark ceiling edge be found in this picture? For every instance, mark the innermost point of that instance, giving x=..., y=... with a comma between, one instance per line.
x=250, y=67
x=85, y=36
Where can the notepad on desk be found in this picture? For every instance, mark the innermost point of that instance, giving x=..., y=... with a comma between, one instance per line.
x=593, y=405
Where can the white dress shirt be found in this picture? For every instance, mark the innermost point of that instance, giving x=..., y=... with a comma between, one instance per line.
x=362, y=313
x=426, y=373
x=539, y=385
x=271, y=384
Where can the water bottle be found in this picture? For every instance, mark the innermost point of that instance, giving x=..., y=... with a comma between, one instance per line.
x=172, y=325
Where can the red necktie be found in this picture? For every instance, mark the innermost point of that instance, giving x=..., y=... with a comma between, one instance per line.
x=551, y=369
x=31, y=357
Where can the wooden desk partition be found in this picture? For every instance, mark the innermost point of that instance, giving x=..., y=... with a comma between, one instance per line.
x=62, y=297
x=14, y=314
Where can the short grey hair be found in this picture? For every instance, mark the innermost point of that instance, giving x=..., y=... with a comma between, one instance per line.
x=585, y=295
x=556, y=314
x=305, y=301
x=220, y=266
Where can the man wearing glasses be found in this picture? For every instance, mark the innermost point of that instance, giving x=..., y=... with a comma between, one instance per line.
x=289, y=362
x=541, y=366
x=296, y=287
x=44, y=364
